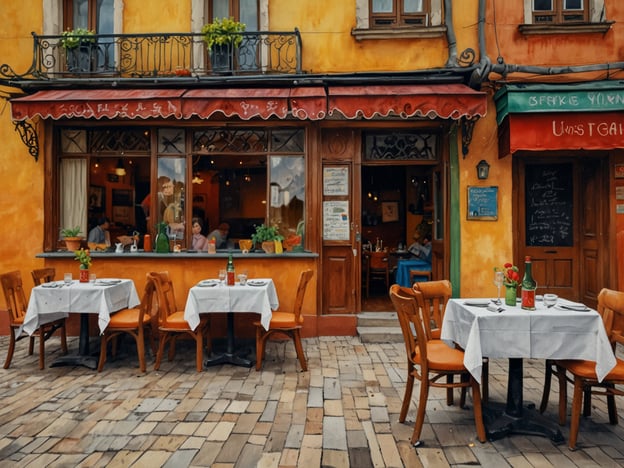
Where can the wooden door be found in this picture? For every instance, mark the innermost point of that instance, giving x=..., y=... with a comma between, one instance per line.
x=561, y=219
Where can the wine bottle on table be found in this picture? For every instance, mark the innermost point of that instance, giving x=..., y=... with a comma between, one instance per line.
x=230, y=272
x=528, y=286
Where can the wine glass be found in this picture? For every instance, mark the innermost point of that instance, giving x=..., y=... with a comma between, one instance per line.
x=222, y=275
x=498, y=282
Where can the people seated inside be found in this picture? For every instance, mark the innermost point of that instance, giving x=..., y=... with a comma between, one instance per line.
x=220, y=235
x=421, y=248
x=199, y=241
x=99, y=234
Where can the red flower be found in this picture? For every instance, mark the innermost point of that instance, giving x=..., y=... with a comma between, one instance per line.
x=512, y=277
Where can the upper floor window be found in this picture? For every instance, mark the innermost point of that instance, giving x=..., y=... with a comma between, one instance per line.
x=559, y=11
x=399, y=13
x=95, y=15
x=245, y=11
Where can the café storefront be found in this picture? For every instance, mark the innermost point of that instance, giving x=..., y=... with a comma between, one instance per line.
x=567, y=141
x=241, y=155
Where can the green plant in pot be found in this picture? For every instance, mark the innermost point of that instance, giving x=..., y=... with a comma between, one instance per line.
x=267, y=236
x=80, y=49
x=72, y=38
x=221, y=37
x=72, y=237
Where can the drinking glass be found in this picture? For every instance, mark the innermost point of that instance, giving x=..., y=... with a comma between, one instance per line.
x=92, y=278
x=498, y=282
x=222, y=275
x=550, y=300
x=242, y=277
x=67, y=278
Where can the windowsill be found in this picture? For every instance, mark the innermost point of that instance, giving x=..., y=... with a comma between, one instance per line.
x=396, y=33
x=186, y=255
x=534, y=29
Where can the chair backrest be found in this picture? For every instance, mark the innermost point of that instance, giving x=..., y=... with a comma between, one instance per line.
x=435, y=295
x=43, y=275
x=304, y=279
x=147, y=300
x=405, y=301
x=164, y=290
x=378, y=260
x=14, y=296
x=611, y=307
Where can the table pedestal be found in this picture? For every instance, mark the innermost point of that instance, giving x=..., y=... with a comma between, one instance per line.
x=83, y=358
x=514, y=419
x=229, y=357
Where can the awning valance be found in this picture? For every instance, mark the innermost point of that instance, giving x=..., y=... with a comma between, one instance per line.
x=99, y=103
x=446, y=101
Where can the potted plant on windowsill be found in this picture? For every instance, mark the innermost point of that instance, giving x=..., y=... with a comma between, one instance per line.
x=72, y=238
x=79, y=47
x=222, y=36
x=269, y=238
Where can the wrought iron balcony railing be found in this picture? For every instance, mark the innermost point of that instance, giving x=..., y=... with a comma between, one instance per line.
x=160, y=56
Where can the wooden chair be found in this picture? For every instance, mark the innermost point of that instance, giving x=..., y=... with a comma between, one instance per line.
x=429, y=361
x=376, y=269
x=135, y=322
x=43, y=275
x=286, y=323
x=583, y=373
x=415, y=274
x=16, y=306
x=171, y=322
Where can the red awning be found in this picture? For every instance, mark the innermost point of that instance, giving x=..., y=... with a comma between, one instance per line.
x=447, y=101
x=236, y=102
x=561, y=131
x=99, y=103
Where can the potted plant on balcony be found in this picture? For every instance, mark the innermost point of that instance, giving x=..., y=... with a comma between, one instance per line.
x=72, y=238
x=221, y=37
x=78, y=44
x=268, y=237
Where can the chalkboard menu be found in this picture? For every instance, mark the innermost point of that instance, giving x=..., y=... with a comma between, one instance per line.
x=548, y=205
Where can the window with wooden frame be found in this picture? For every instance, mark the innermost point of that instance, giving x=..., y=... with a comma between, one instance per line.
x=399, y=13
x=95, y=15
x=560, y=11
x=245, y=11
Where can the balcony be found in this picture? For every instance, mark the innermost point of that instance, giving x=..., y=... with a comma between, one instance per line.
x=162, y=56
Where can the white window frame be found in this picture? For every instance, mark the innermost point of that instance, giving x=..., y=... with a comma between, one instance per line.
x=596, y=11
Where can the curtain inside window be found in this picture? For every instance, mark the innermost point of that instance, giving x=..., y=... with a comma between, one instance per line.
x=73, y=183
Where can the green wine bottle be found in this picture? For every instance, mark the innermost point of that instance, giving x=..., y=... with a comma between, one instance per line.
x=528, y=286
x=231, y=275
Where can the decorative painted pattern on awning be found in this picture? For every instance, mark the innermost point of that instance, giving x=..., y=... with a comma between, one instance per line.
x=235, y=102
x=99, y=103
x=446, y=101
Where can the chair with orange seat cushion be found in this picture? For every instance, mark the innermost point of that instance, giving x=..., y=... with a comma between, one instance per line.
x=135, y=322
x=171, y=322
x=583, y=373
x=286, y=323
x=429, y=361
x=43, y=275
x=16, y=306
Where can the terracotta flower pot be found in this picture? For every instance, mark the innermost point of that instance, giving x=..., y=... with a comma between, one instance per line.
x=268, y=247
x=72, y=243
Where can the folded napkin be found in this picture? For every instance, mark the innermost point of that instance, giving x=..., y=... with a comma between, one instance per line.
x=494, y=308
x=50, y=285
x=107, y=282
x=256, y=283
x=573, y=306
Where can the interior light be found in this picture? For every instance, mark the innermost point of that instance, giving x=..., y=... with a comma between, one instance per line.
x=120, y=170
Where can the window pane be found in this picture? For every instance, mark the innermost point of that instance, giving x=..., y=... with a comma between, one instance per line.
x=249, y=14
x=171, y=185
x=382, y=6
x=287, y=195
x=542, y=5
x=573, y=4
x=73, y=196
x=221, y=9
x=81, y=14
x=412, y=6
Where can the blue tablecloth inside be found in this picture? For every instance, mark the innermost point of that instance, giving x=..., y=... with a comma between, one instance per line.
x=403, y=270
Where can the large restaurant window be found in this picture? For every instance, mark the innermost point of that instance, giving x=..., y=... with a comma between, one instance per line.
x=139, y=177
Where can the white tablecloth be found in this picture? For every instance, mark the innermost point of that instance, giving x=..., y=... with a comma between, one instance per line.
x=257, y=299
x=79, y=297
x=517, y=333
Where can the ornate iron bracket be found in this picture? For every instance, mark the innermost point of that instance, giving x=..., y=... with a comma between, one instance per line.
x=29, y=137
x=467, y=126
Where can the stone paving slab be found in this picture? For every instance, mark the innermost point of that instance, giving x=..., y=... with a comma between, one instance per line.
x=342, y=412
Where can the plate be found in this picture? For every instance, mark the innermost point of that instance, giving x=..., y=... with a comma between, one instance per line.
x=208, y=283
x=573, y=307
x=256, y=283
x=477, y=302
x=50, y=285
x=107, y=282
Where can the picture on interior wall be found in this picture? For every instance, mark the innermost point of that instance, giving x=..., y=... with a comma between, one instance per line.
x=389, y=211
x=96, y=197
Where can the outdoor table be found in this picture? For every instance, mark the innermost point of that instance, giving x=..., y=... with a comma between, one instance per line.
x=403, y=270
x=257, y=296
x=515, y=333
x=103, y=297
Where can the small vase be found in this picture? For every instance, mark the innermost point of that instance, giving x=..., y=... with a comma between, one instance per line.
x=84, y=275
x=268, y=247
x=511, y=293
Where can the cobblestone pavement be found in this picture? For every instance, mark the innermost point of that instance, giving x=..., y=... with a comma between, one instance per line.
x=342, y=412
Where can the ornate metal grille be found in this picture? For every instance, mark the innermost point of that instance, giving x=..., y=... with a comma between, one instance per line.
x=391, y=146
x=248, y=140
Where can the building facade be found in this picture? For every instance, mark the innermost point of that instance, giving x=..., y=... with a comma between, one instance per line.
x=345, y=124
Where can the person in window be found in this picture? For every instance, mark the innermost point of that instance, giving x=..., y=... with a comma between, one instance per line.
x=220, y=236
x=170, y=207
x=199, y=241
x=421, y=248
x=99, y=234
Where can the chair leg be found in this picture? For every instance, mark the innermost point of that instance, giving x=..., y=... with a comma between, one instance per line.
x=161, y=348
x=613, y=417
x=259, y=347
x=41, y=348
x=103, y=346
x=478, y=412
x=576, y=413
x=199, y=351
x=485, y=382
x=11, y=350
x=563, y=395
x=140, y=344
x=299, y=349
x=449, y=391
x=64, y=338
x=422, y=407
x=407, y=396
x=546, y=390
x=31, y=345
